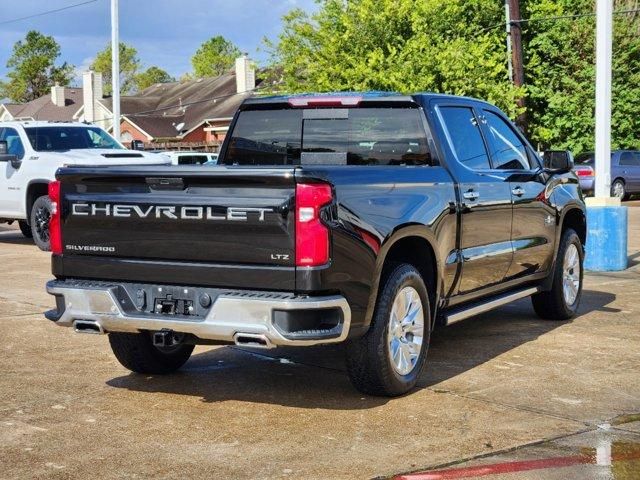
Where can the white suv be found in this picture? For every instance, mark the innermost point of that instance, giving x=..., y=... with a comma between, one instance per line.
x=30, y=154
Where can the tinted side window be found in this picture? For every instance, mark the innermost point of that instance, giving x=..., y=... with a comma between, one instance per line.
x=465, y=137
x=629, y=159
x=507, y=149
x=14, y=144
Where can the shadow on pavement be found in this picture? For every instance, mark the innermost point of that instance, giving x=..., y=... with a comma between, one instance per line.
x=10, y=235
x=231, y=373
x=468, y=344
x=315, y=377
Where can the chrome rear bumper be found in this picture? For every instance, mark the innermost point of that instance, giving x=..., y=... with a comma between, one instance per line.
x=233, y=315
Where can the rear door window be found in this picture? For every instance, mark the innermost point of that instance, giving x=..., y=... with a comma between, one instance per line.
x=629, y=159
x=463, y=132
x=328, y=136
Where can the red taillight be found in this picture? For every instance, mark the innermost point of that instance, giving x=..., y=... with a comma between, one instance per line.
x=584, y=172
x=312, y=236
x=55, y=230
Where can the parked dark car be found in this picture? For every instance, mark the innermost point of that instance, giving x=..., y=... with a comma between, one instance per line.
x=625, y=172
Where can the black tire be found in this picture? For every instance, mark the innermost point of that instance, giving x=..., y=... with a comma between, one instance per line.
x=369, y=361
x=619, y=184
x=552, y=305
x=136, y=352
x=25, y=229
x=39, y=221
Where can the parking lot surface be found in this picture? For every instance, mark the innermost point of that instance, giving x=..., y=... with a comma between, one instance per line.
x=501, y=390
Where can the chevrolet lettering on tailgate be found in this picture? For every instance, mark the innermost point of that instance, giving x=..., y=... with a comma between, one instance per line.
x=167, y=211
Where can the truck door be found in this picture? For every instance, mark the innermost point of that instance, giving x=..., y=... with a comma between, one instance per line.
x=12, y=189
x=534, y=220
x=485, y=203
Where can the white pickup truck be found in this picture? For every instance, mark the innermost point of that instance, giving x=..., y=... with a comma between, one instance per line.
x=30, y=154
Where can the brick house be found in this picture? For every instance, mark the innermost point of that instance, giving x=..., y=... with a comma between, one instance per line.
x=194, y=113
x=188, y=114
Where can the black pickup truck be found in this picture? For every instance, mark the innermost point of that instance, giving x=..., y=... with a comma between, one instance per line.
x=363, y=218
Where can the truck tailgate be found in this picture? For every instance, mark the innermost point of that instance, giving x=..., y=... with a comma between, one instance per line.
x=211, y=215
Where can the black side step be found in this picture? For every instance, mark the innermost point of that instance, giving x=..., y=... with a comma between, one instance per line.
x=456, y=314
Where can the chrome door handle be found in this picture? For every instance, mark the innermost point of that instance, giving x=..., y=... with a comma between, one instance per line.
x=518, y=191
x=471, y=195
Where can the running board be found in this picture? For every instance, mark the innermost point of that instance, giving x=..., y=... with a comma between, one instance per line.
x=456, y=315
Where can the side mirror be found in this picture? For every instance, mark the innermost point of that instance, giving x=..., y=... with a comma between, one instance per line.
x=5, y=156
x=558, y=160
x=137, y=145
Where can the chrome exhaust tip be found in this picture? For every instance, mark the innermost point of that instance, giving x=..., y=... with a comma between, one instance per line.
x=87, y=326
x=253, y=340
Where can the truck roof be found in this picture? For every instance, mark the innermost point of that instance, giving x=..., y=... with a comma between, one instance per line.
x=365, y=96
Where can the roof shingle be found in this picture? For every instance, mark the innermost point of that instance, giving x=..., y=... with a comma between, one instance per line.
x=160, y=108
x=44, y=109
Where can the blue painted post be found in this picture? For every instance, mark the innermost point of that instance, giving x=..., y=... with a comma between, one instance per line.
x=606, y=249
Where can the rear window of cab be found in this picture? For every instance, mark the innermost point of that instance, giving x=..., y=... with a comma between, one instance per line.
x=329, y=136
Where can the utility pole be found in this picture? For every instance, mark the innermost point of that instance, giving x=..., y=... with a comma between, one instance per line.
x=115, y=69
x=514, y=42
x=507, y=15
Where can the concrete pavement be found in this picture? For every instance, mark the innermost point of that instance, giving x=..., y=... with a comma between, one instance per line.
x=502, y=381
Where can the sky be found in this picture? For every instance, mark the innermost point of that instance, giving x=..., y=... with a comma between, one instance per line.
x=166, y=33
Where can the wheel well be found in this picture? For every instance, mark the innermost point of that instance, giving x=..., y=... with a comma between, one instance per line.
x=35, y=191
x=418, y=252
x=575, y=219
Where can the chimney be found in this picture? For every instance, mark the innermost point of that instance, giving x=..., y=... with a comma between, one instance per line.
x=91, y=93
x=57, y=95
x=245, y=74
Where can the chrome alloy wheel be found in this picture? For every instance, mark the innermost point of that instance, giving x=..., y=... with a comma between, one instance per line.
x=571, y=274
x=406, y=330
x=618, y=190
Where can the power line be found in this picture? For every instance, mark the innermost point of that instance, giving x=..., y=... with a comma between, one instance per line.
x=570, y=17
x=554, y=19
x=5, y=22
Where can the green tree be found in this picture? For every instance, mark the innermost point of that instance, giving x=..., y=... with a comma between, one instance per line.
x=398, y=45
x=214, y=57
x=560, y=75
x=129, y=65
x=459, y=47
x=33, y=70
x=151, y=76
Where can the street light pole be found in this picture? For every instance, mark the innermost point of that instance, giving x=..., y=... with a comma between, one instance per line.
x=607, y=220
x=604, y=29
x=115, y=69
